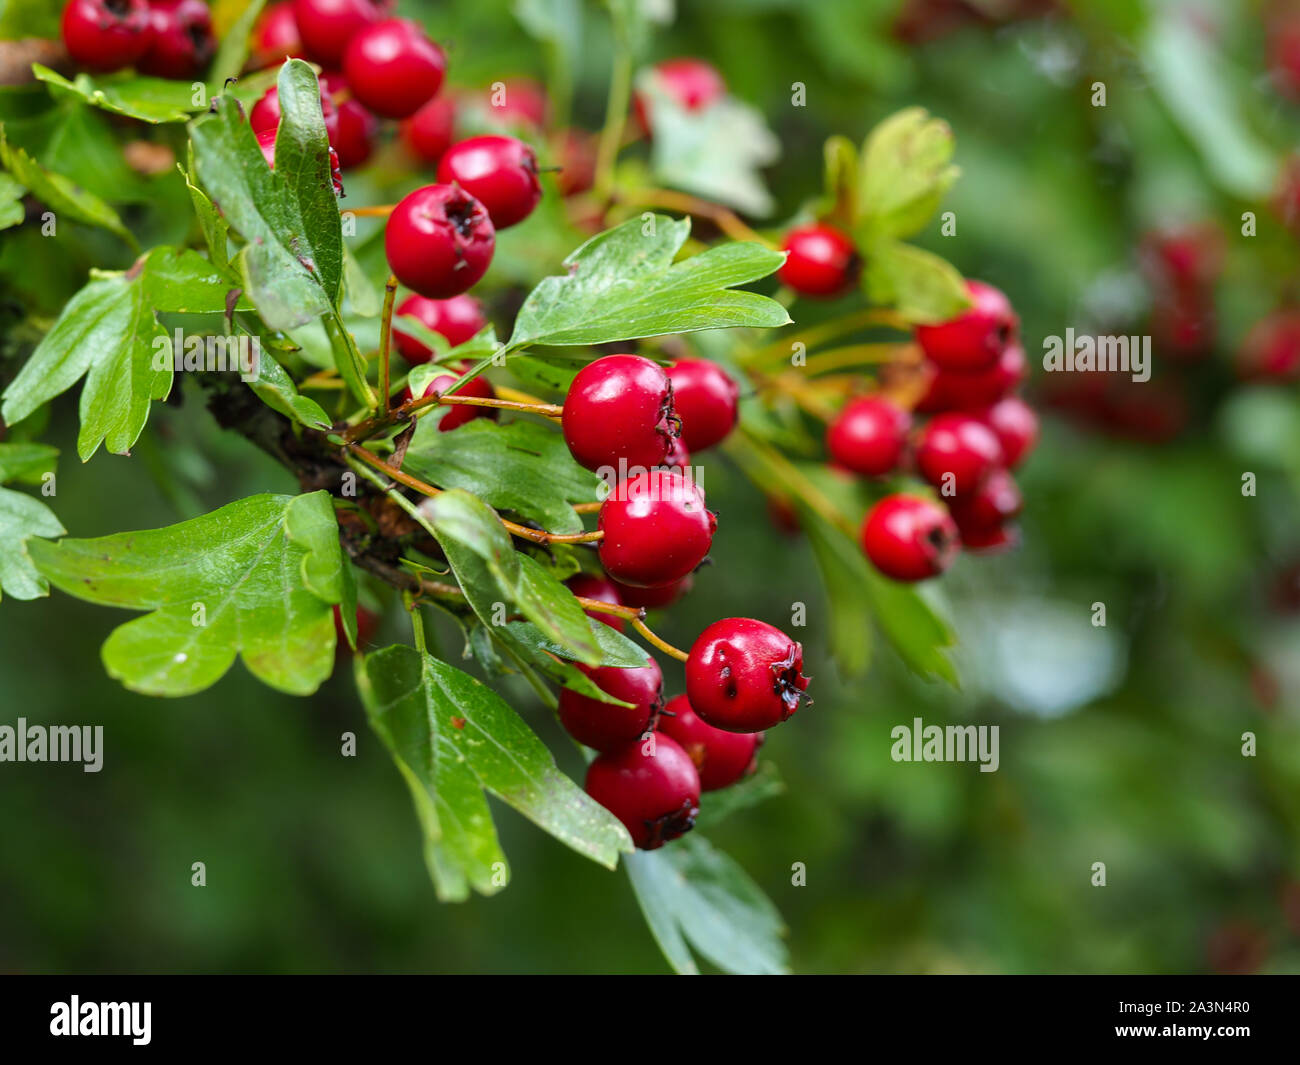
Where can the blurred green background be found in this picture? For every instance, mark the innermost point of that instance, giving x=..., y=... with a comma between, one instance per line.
x=1119, y=744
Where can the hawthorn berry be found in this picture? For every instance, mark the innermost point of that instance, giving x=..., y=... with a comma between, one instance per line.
x=868, y=436
x=606, y=726
x=326, y=27
x=266, y=113
x=909, y=538
x=356, y=126
x=1015, y=424
x=457, y=414
x=439, y=241
x=720, y=757
x=957, y=451
x=820, y=262
x=183, y=44
x=657, y=529
x=499, y=172
x=576, y=154
x=957, y=390
x=975, y=338
x=457, y=319
x=266, y=142
x=589, y=586
x=103, y=35
x=987, y=509
x=518, y=102
x=744, y=675
x=678, y=458
x=705, y=399
x=276, y=37
x=653, y=598
x=692, y=83
x=620, y=407
x=367, y=623
x=1271, y=350
x=429, y=132
x=651, y=786
x=393, y=68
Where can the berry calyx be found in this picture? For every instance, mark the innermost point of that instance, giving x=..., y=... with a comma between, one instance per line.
x=326, y=27
x=457, y=414
x=974, y=339
x=619, y=407
x=958, y=390
x=393, y=68
x=589, y=586
x=651, y=786
x=429, y=132
x=744, y=675
x=821, y=261
x=869, y=435
x=1015, y=424
x=909, y=538
x=266, y=113
x=705, y=399
x=457, y=319
x=656, y=529
x=276, y=37
x=956, y=452
x=439, y=241
x=499, y=172
x=606, y=726
x=183, y=44
x=721, y=758
x=104, y=35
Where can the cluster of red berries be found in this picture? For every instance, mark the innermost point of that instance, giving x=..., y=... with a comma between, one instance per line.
x=165, y=38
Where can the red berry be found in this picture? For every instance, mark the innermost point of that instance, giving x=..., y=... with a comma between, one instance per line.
x=429, y=132
x=868, y=436
x=458, y=319
x=989, y=507
x=457, y=414
x=956, y=390
x=439, y=241
x=909, y=538
x=576, y=153
x=1184, y=258
x=356, y=126
x=107, y=35
x=721, y=757
x=619, y=407
x=602, y=589
x=705, y=399
x=328, y=26
x=183, y=44
x=692, y=83
x=393, y=68
x=821, y=262
x=651, y=786
x=678, y=458
x=266, y=141
x=989, y=540
x=744, y=675
x=653, y=598
x=975, y=338
x=499, y=172
x=266, y=113
x=657, y=529
x=605, y=726
x=1015, y=424
x=1271, y=350
x=276, y=37
x=956, y=452
x=518, y=101
x=367, y=623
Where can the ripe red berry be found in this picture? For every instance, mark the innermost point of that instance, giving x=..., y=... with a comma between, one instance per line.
x=266, y=141
x=439, y=241
x=656, y=528
x=499, y=172
x=868, y=436
x=276, y=37
x=692, y=83
x=678, y=458
x=909, y=538
x=975, y=338
x=393, y=68
x=517, y=102
x=619, y=407
x=605, y=726
x=653, y=598
x=457, y=414
x=183, y=44
x=988, y=508
x=429, y=132
x=956, y=390
x=105, y=35
x=651, y=786
x=956, y=452
x=705, y=399
x=744, y=675
x=602, y=589
x=576, y=154
x=821, y=261
x=367, y=623
x=266, y=113
x=458, y=319
x=1016, y=427
x=328, y=26
x=720, y=757
x=1271, y=350
x=356, y=126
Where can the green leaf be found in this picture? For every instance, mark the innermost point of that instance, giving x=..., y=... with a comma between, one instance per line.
x=153, y=100
x=692, y=893
x=903, y=175
x=29, y=18
x=913, y=627
x=923, y=287
x=623, y=284
x=615, y=648
x=525, y=641
x=841, y=166
x=184, y=282
x=553, y=373
x=763, y=784
x=453, y=738
x=265, y=570
x=216, y=231
x=26, y=462
x=21, y=518
x=846, y=575
x=12, y=211
x=232, y=53
x=277, y=390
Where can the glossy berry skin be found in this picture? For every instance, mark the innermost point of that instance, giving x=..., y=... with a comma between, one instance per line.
x=869, y=435
x=957, y=451
x=989, y=507
x=705, y=398
x=974, y=339
x=183, y=44
x=692, y=83
x=744, y=675
x=653, y=598
x=393, y=68
x=619, y=407
x=602, y=589
x=657, y=529
x=266, y=113
x=954, y=390
x=458, y=319
x=103, y=35
x=821, y=261
x=327, y=27
x=430, y=131
x=720, y=757
x=457, y=414
x=276, y=37
x=909, y=538
x=499, y=172
x=651, y=786
x=605, y=726
x=439, y=241
x=1015, y=424
x=357, y=127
